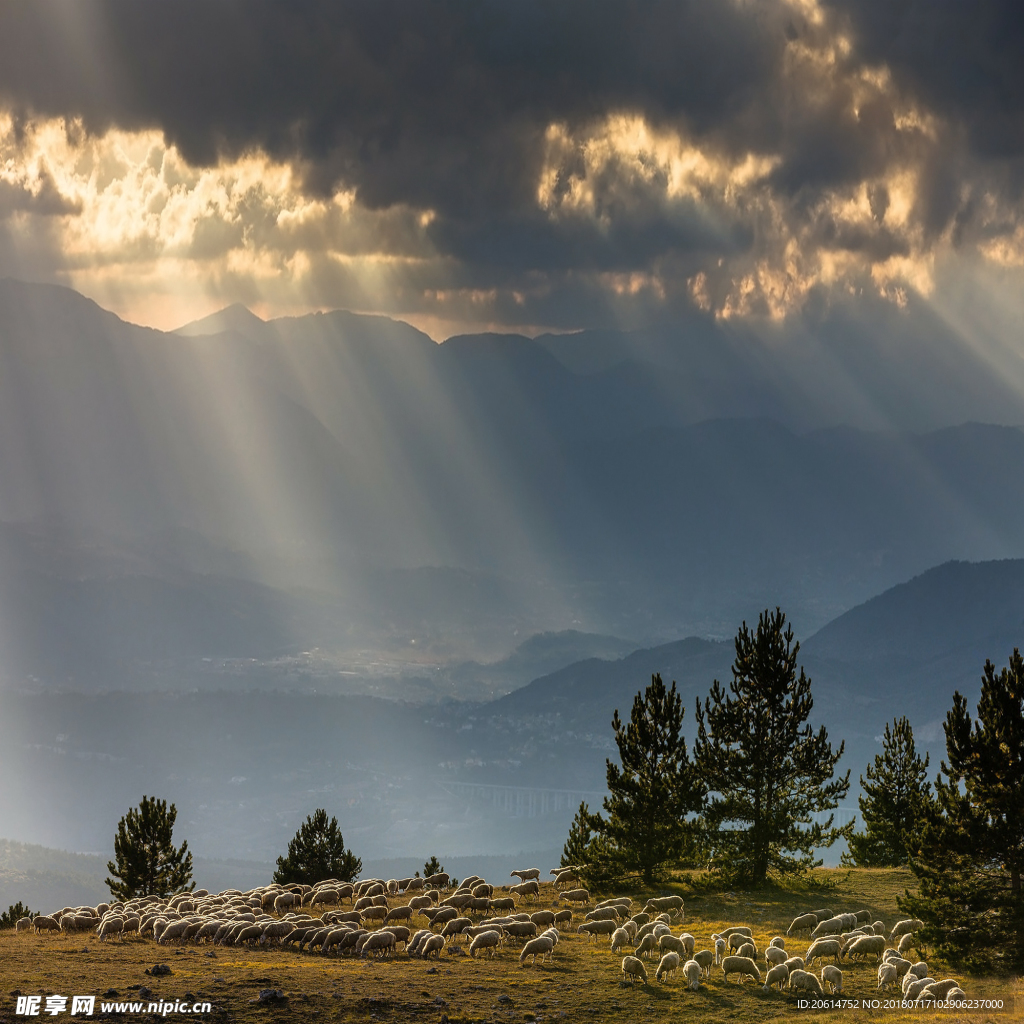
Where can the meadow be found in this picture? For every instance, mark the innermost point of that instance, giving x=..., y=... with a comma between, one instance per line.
x=581, y=981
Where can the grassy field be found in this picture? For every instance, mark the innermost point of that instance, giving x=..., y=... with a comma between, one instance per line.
x=581, y=982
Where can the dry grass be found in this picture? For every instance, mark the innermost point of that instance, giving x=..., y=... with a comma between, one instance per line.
x=581, y=982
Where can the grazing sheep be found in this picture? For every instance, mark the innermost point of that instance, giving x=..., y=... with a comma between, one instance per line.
x=592, y=928
x=110, y=926
x=564, y=917
x=878, y=927
x=907, y=925
x=540, y=946
x=490, y=940
x=863, y=916
x=822, y=948
x=381, y=943
x=398, y=914
x=374, y=914
x=778, y=942
x=603, y=914
x=526, y=875
x=23, y=925
x=527, y=888
x=795, y=963
x=672, y=943
x=671, y=904
x=913, y=990
x=940, y=989
x=748, y=949
x=620, y=938
x=705, y=958
x=804, y=981
x=742, y=929
x=566, y=877
x=692, y=973
x=906, y=941
x=456, y=927
x=741, y=965
x=866, y=945
x=440, y=880
x=777, y=975
x=919, y=970
x=633, y=968
x=502, y=903
x=833, y=977
x=576, y=896
x=887, y=976
x=773, y=955
x=668, y=964
x=43, y=923
x=833, y=926
x=647, y=945
x=802, y=923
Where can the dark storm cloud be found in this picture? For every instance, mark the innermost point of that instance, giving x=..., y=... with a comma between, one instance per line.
x=964, y=60
x=435, y=104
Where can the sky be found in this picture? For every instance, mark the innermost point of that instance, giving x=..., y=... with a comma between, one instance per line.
x=537, y=165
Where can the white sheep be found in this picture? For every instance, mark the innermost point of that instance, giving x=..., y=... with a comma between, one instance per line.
x=919, y=970
x=692, y=972
x=912, y=991
x=526, y=874
x=540, y=946
x=668, y=964
x=866, y=945
x=748, y=949
x=486, y=940
x=906, y=941
x=773, y=955
x=705, y=958
x=777, y=975
x=938, y=990
x=804, y=981
x=802, y=923
x=833, y=978
x=671, y=904
x=672, y=943
x=887, y=976
x=633, y=968
x=575, y=896
x=907, y=925
x=381, y=943
x=795, y=963
x=822, y=948
x=620, y=938
x=741, y=965
x=531, y=887
x=778, y=942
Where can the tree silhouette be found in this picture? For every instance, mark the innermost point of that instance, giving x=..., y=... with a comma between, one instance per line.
x=317, y=852
x=894, y=803
x=968, y=857
x=768, y=770
x=652, y=789
x=147, y=863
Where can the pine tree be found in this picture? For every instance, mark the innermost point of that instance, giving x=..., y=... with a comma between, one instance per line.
x=432, y=867
x=316, y=852
x=896, y=796
x=968, y=857
x=652, y=789
x=577, y=849
x=768, y=769
x=147, y=863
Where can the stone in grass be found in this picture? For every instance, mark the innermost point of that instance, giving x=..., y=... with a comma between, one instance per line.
x=158, y=970
x=111, y=993
x=145, y=993
x=271, y=997
x=504, y=999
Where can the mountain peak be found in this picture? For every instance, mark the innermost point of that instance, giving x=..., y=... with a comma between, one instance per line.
x=235, y=317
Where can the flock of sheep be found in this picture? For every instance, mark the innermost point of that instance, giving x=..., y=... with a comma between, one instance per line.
x=378, y=921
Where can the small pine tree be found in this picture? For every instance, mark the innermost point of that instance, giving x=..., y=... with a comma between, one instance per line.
x=769, y=770
x=893, y=805
x=577, y=849
x=652, y=789
x=316, y=852
x=969, y=856
x=147, y=863
x=432, y=867
x=14, y=913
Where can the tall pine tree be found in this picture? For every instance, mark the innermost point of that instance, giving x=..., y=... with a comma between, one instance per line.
x=969, y=857
x=316, y=852
x=146, y=861
x=577, y=850
x=652, y=790
x=894, y=803
x=768, y=771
